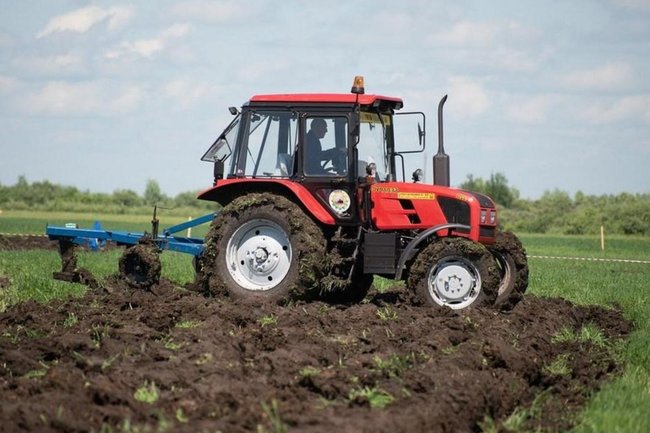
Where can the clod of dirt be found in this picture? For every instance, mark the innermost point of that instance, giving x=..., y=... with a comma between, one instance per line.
x=173, y=358
x=4, y=282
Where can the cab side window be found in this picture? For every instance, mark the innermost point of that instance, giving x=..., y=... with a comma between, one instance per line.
x=326, y=146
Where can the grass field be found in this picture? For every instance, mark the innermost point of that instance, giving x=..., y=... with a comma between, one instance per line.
x=621, y=406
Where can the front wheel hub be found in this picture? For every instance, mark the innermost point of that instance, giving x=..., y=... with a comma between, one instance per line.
x=454, y=282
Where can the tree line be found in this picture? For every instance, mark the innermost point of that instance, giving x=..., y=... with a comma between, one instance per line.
x=46, y=196
x=554, y=212
x=558, y=212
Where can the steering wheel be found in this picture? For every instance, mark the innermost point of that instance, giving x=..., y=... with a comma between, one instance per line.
x=336, y=163
x=339, y=161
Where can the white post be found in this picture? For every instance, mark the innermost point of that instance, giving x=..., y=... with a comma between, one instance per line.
x=602, y=238
x=189, y=229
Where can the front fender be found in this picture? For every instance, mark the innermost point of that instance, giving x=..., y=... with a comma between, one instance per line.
x=410, y=249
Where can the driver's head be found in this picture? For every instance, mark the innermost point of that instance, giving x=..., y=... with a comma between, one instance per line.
x=319, y=126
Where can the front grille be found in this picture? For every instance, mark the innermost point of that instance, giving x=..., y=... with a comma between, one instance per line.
x=455, y=211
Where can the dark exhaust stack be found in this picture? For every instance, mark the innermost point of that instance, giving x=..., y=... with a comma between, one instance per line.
x=441, y=159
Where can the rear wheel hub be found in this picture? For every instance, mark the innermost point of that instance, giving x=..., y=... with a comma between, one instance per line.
x=259, y=255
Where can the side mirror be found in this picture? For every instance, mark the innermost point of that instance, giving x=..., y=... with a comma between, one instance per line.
x=405, y=126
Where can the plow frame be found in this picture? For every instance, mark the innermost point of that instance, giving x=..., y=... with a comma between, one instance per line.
x=70, y=236
x=166, y=241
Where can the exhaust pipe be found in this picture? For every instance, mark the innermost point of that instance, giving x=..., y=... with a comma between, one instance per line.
x=441, y=159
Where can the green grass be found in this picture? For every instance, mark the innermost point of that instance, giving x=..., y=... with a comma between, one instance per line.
x=30, y=273
x=618, y=247
x=270, y=320
x=377, y=398
x=147, y=393
x=622, y=405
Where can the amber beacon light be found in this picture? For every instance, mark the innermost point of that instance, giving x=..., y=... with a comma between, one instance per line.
x=357, y=85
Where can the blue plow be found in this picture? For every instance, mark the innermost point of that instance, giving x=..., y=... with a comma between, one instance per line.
x=138, y=270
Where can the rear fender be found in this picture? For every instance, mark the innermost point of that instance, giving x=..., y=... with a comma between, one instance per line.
x=228, y=189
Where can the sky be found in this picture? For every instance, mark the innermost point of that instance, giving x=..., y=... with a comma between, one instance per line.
x=105, y=95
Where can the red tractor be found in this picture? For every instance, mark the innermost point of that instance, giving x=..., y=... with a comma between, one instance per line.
x=314, y=202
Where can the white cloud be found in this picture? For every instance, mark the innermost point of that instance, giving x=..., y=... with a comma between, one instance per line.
x=147, y=48
x=505, y=45
x=467, y=33
x=5, y=40
x=611, y=76
x=185, y=93
x=126, y=100
x=7, y=84
x=511, y=59
x=86, y=98
x=210, y=11
x=468, y=98
x=81, y=20
x=627, y=108
x=634, y=4
x=50, y=64
x=256, y=70
x=531, y=110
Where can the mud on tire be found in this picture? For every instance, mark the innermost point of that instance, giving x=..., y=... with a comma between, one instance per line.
x=510, y=256
x=140, y=265
x=454, y=272
x=262, y=246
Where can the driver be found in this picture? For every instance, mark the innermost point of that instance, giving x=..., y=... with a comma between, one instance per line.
x=316, y=156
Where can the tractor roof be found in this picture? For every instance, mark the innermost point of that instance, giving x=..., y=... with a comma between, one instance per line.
x=335, y=98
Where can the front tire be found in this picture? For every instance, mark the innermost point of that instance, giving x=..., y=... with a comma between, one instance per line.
x=455, y=273
x=511, y=259
x=263, y=247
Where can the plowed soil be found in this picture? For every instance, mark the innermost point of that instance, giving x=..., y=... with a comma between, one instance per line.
x=169, y=359
x=26, y=242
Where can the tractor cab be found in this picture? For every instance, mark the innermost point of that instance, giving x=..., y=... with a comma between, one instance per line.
x=328, y=146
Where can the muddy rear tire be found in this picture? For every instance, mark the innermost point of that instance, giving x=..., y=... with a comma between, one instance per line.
x=510, y=256
x=263, y=247
x=455, y=273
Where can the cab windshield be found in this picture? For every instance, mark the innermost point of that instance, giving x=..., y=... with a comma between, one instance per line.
x=372, y=144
